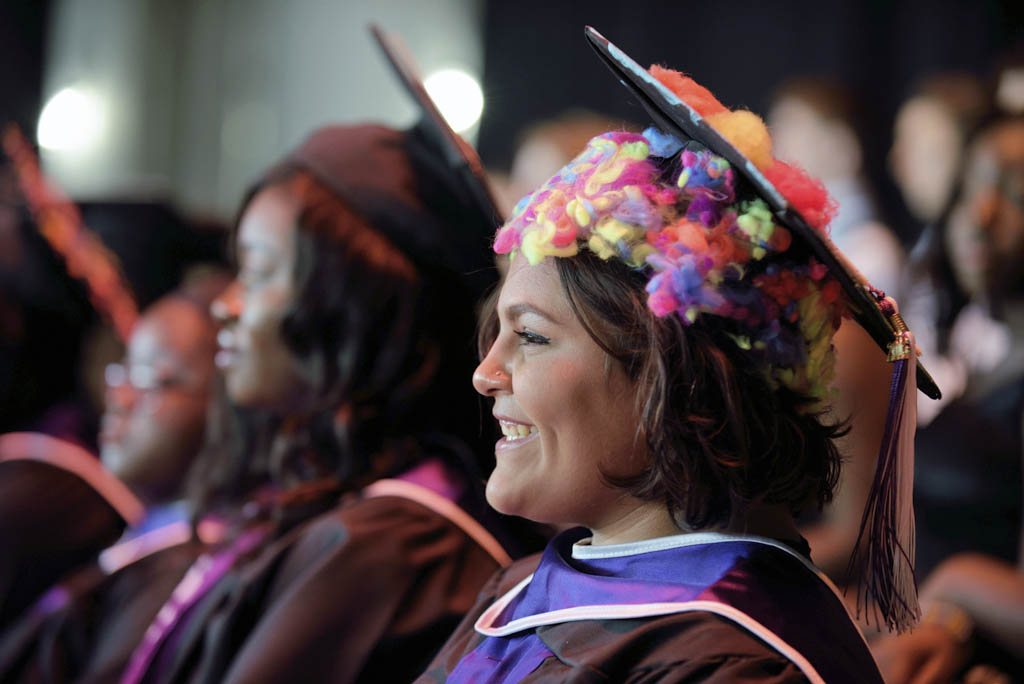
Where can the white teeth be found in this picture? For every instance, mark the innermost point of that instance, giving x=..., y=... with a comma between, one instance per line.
x=514, y=431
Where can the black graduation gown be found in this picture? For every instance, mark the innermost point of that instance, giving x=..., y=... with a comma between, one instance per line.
x=617, y=617
x=58, y=510
x=91, y=637
x=365, y=592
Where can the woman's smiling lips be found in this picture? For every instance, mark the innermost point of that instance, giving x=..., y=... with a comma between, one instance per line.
x=516, y=433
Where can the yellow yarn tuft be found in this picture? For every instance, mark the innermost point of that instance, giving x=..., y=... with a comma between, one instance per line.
x=747, y=132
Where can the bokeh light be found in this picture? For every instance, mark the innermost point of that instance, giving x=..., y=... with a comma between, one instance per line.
x=71, y=120
x=458, y=96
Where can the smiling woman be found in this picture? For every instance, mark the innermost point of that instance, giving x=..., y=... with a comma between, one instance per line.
x=551, y=380
x=660, y=360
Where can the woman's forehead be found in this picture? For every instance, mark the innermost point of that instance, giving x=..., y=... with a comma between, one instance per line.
x=269, y=220
x=533, y=288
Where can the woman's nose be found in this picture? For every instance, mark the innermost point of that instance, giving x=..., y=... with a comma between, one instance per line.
x=490, y=377
x=228, y=306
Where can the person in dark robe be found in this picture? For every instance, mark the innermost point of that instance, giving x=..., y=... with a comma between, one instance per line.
x=659, y=359
x=345, y=342
x=155, y=415
x=152, y=430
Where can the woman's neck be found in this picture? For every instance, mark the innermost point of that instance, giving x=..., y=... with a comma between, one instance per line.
x=643, y=520
x=649, y=520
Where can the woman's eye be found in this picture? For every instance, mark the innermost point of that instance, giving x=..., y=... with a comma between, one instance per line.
x=528, y=337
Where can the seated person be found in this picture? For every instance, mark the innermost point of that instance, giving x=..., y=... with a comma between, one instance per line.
x=357, y=525
x=155, y=415
x=659, y=357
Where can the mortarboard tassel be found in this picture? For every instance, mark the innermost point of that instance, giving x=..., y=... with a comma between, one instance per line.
x=888, y=522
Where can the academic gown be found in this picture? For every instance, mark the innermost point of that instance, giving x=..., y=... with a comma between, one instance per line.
x=366, y=592
x=702, y=607
x=58, y=509
x=84, y=629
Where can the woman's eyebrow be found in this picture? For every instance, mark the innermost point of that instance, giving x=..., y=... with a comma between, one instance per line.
x=514, y=311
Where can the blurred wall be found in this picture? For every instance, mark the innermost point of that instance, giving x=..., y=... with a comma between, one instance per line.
x=199, y=96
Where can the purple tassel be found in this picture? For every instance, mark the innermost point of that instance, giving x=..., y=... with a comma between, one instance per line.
x=888, y=570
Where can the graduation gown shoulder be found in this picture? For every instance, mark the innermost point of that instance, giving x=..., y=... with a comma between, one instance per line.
x=366, y=592
x=90, y=638
x=685, y=647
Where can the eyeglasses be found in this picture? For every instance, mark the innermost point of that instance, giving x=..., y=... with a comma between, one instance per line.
x=150, y=384
x=141, y=377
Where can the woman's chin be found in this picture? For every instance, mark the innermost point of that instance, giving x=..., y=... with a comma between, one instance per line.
x=507, y=499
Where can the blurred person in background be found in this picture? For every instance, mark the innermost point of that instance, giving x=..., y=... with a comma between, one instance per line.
x=156, y=407
x=152, y=430
x=359, y=534
x=345, y=340
x=929, y=134
x=968, y=475
x=927, y=158
x=814, y=124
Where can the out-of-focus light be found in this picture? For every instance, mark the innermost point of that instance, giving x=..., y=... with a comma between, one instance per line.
x=71, y=120
x=458, y=96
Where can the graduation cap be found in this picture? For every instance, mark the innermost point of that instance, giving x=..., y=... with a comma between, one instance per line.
x=423, y=188
x=888, y=522
x=459, y=155
x=676, y=117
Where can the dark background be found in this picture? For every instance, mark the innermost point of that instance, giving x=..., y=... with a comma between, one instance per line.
x=22, y=31
x=538, y=65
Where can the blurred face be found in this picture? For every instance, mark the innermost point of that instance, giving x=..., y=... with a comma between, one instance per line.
x=259, y=369
x=565, y=410
x=156, y=400
x=925, y=155
x=827, y=148
x=985, y=235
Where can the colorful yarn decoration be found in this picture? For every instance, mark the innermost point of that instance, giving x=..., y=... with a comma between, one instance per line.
x=674, y=210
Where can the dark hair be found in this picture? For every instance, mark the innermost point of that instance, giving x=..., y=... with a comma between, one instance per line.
x=718, y=435
x=389, y=342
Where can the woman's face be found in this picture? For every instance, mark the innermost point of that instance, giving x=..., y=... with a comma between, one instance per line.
x=565, y=409
x=925, y=155
x=259, y=369
x=985, y=234
x=156, y=400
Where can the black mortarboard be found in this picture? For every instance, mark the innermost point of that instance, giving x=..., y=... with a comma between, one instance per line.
x=423, y=188
x=676, y=117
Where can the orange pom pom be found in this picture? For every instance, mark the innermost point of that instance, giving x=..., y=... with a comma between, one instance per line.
x=689, y=91
x=748, y=134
